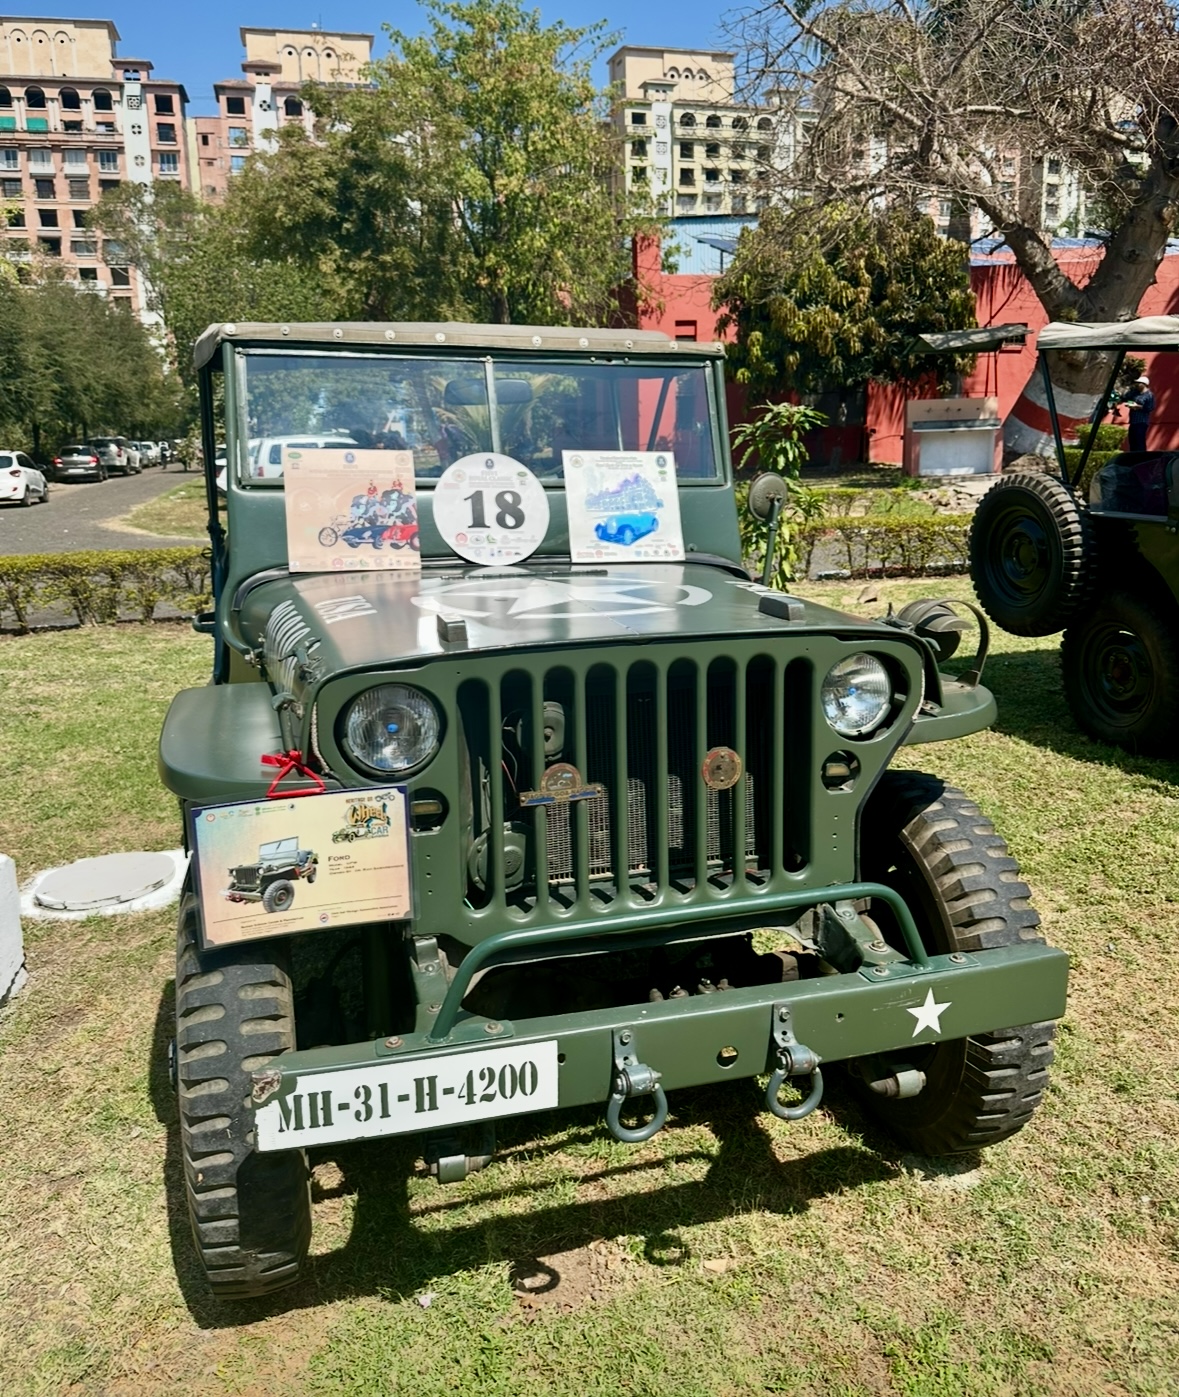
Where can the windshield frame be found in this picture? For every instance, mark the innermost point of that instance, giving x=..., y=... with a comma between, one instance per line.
x=237, y=416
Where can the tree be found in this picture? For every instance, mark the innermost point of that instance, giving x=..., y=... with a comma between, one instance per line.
x=913, y=97
x=470, y=181
x=828, y=298
x=198, y=268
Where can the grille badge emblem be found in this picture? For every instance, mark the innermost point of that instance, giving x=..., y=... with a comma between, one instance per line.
x=561, y=784
x=721, y=769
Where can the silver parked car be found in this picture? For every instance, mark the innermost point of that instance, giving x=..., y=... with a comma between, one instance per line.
x=20, y=481
x=117, y=455
x=78, y=461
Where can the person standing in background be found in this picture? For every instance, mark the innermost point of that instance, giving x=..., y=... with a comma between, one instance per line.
x=1140, y=401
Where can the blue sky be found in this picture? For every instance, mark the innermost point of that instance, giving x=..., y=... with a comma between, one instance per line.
x=198, y=44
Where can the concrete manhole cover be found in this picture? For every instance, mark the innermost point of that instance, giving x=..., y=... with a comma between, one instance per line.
x=106, y=882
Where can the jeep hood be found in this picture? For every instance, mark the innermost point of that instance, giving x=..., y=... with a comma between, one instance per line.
x=371, y=620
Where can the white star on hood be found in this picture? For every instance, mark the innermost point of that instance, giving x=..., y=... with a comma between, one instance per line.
x=929, y=1014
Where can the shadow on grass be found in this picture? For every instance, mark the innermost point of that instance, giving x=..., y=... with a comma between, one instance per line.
x=1032, y=708
x=391, y=1253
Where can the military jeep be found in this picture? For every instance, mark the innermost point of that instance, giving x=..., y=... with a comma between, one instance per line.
x=654, y=837
x=1102, y=566
x=271, y=881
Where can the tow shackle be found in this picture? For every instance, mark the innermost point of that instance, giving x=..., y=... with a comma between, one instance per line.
x=633, y=1078
x=795, y=1059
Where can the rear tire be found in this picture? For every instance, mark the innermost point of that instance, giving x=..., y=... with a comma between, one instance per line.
x=250, y=1213
x=1032, y=555
x=1121, y=672
x=931, y=842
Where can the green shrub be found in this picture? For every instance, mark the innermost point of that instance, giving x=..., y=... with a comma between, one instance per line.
x=895, y=545
x=99, y=588
x=1072, y=459
x=1108, y=436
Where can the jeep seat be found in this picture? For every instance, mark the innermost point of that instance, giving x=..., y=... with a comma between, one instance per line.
x=1137, y=482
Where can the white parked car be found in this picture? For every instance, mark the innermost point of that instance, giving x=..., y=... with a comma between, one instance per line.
x=149, y=452
x=20, y=481
x=266, y=454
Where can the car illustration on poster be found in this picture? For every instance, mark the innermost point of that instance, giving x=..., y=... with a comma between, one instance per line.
x=626, y=528
x=271, y=881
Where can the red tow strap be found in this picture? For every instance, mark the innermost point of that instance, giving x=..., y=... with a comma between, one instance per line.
x=286, y=763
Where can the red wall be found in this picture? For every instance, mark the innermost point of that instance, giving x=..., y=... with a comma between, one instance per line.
x=681, y=306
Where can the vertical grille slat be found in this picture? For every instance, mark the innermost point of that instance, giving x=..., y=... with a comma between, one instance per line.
x=661, y=796
x=496, y=783
x=581, y=810
x=621, y=785
x=706, y=823
x=540, y=819
x=744, y=828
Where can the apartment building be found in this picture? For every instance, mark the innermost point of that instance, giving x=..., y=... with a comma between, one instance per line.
x=687, y=142
x=252, y=109
x=77, y=119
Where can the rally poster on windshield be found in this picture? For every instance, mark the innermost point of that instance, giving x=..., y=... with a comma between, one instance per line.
x=623, y=506
x=274, y=867
x=351, y=509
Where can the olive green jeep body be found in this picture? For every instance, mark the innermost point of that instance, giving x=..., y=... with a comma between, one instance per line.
x=654, y=838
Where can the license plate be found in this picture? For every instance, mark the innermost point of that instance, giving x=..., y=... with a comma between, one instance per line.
x=398, y=1098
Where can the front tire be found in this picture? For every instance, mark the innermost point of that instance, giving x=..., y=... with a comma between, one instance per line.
x=931, y=842
x=250, y=1213
x=1121, y=672
x=278, y=896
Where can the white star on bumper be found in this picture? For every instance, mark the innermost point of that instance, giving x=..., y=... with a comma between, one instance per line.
x=929, y=1014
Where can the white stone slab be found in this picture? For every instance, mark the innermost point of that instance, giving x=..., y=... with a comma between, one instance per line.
x=106, y=885
x=12, y=946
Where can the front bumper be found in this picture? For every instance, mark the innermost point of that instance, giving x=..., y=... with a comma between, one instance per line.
x=877, y=1009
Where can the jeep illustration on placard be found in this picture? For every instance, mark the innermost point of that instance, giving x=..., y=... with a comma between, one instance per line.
x=614, y=773
x=271, y=881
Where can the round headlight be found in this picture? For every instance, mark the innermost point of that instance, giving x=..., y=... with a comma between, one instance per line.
x=856, y=695
x=392, y=729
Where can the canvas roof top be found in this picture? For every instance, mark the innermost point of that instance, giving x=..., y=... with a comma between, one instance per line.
x=1151, y=332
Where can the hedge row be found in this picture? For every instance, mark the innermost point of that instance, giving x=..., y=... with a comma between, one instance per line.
x=103, y=587
x=880, y=544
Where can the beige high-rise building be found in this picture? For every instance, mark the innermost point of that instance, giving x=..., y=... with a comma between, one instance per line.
x=687, y=141
x=253, y=108
x=77, y=119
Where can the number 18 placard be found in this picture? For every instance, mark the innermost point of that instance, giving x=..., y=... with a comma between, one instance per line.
x=491, y=509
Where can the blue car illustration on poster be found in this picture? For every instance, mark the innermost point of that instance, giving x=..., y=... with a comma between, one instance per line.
x=626, y=528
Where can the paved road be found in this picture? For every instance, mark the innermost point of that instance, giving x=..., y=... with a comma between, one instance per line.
x=78, y=515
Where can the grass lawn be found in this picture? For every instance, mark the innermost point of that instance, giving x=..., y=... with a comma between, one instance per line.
x=178, y=513
x=732, y=1254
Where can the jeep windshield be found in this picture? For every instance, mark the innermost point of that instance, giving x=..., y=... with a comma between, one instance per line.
x=444, y=408
x=278, y=848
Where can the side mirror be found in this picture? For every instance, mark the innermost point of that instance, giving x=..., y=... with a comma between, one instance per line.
x=767, y=491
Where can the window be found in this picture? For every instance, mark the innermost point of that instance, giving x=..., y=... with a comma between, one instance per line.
x=120, y=276
x=47, y=218
x=687, y=150
x=712, y=150
x=83, y=247
x=164, y=104
x=945, y=208
x=41, y=160
x=713, y=122
x=105, y=128
x=108, y=160
x=685, y=329
x=1054, y=167
x=688, y=177
x=762, y=152
x=9, y=159
x=74, y=160
x=235, y=106
x=69, y=99
x=169, y=163
x=81, y=218
x=711, y=175
x=764, y=124
x=10, y=189
x=50, y=246
x=712, y=203
x=237, y=163
x=165, y=133
x=1009, y=165
x=5, y=97
x=737, y=176
x=292, y=107
x=238, y=136
x=105, y=184
x=638, y=148
x=687, y=119
x=34, y=99
x=204, y=138
x=43, y=189
x=686, y=202
x=638, y=118
x=740, y=123
x=739, y=203
x=115, y=253
x=1052, y=212
x=87, y=273
x=16, y=218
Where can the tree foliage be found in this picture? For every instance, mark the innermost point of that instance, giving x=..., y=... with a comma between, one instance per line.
x=832, y=297
x=961, y=97
x=470, y=180
x=72, y=364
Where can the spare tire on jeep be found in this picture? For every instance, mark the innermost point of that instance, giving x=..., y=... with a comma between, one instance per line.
x=1031, y=554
